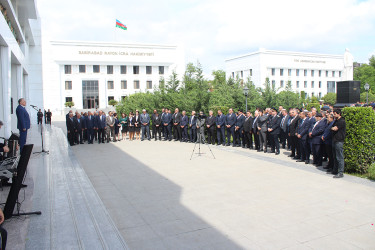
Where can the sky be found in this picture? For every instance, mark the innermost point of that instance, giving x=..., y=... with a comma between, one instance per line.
x=211, y=31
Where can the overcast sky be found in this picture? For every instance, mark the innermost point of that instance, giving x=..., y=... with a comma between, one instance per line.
x=213, y=30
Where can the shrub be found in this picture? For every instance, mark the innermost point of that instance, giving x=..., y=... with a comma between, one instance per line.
x=113, y=102
x=223, y=109
x=69, y=104
x=359, y=146
x=330, y=98
x=313, y=104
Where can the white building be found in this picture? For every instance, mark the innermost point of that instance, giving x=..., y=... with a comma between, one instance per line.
x=21, y=60
x=315, y=74
x=92, y=73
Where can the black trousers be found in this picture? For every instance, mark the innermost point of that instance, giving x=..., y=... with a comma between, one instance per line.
x=71, y=138
x=220, y=135
x=90, y=134
x=328, y=150
x=193, y=134
x=168, y=132
x=101, y=135
x=303, y=149
x=177, y=132
x=95, y=134
x=308, y=148
x=4, y=237
x=230, y=132
x=211, y=135
x=256, y=140
x=274, y=140
x=156, y=131
x=153, y=131
x=317, y=154
x=184, y=132
x=294, y=146
x=79, y=136
x=247, y=139
x=283, y=136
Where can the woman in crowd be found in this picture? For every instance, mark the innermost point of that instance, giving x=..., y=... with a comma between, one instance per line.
x=124, y=125
x=137, y=124
x=117, y=127
x=131, y=123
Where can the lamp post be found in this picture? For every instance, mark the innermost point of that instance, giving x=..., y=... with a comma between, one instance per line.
x=246, y=93
x=367, y=87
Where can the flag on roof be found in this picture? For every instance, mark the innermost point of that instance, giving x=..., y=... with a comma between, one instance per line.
x=120, y=25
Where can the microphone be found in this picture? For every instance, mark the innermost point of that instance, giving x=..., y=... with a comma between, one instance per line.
x=33, y=106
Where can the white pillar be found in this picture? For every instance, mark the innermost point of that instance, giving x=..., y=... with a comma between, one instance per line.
x=19, y=79
x=26, y=94
x=6, y=85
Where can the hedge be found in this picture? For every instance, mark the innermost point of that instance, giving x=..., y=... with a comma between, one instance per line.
x=359, y=146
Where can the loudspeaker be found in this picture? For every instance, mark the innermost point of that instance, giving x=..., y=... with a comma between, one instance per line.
x=348, y=92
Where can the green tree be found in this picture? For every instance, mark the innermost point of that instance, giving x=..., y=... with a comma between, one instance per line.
x=366, y=74
x=371, y=97
x=330, y=98
x=288, y=98
x=269, y=94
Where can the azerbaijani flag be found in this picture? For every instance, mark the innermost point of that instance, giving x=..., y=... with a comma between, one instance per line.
x=120, y=25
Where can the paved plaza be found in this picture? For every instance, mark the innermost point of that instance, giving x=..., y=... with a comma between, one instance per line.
x=160, y=199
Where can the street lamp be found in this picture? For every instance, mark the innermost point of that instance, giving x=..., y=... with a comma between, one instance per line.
x=246, y=93
x=367, y=87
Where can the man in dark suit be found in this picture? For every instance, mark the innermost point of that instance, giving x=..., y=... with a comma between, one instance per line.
x=284, y=128
x=102, y=126
x=184, y=126
x=302, y=132
x=145, y=125
x=90, y=126
x=167, y=118
x=156, y=124
x=247, y=131
x=210, y=124
x=238, y=129
x=153, y=126
x=78, y=122
x=230, y=121
x=255, y=130
x=70, y=129
x=262, y=129
x=176, y=125
x=193, y=127
x=220, y=128
x=293, y=127
x=23, y=121
x=161, y=118
x=316, y=140
x=327, y=140
x=274, y=131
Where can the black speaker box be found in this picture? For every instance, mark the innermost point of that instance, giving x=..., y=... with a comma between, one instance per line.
x=348, y=92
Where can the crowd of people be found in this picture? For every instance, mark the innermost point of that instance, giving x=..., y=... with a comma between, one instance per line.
x=303, y=132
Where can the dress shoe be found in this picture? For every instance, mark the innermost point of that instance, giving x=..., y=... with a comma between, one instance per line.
x=259, y=150
x=23, y=185
x=295, y=158
x=338, y=176
x=265, y=151
x=272, y=152
x=291, y=155
x=300, y=161
x=307, y=162
x=319, y=165
x=326, y=167
x=277, y=153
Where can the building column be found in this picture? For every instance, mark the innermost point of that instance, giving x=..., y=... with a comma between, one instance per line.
x=19, y=79
x=6, y=85
x=26, y=94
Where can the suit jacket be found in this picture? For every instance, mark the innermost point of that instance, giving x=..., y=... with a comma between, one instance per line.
x=137, y=120
x=90, y=122
x=284, y=123
x=328, y=134
x=254, y=124
x=193, y=122
x=166, y=118
x=184, y=120
x=303, y=128
x=156, y=120
x=70, y=125
x=84, y=125
x=131, y=121
x=101, y=121
x=312, y=121
x=211, y=120
x=274, y=123
x=263, y=122
x=248, y=124
x=240, y=121
x=317, y=132
x=145, y=118
x=110, y=120
x=293, y=126
x=78, y=124
x=220, y=120
x=176, y=117
x=230, y=120
x=23, y=118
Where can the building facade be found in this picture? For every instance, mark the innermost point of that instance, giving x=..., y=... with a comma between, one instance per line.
x=90, y=74
x=315, y=74
x=21, y=61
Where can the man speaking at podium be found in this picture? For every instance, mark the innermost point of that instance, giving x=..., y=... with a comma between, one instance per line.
x=23, y=121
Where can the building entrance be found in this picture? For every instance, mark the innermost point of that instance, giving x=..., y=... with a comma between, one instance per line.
x=90, y=94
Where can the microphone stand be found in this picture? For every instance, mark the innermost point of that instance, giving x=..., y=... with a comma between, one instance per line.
x=41, y=133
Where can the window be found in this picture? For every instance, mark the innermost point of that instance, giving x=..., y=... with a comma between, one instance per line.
x=149, y=84
x=232, y=74
x=333, y=73
x=136, y=84
x=110, y=69
x=281, y=72
x=68, y=69
x=305, y=84
x=123, y=97
x=148, y=70
x=161, y=70
x=68, y=85
x=320, y=84
x=320, y=73
x=11, y=105
x=305, y=72
x=251, y=72
x=297, y=72
x=326, y=73
x=123, y=69
x=281, y=83
x=135, y=70
x=110, y=85
x=241, y=74
x=82, y=68
x=339, y=73
x=312, y=84
x=273, y=72
x=111, y=98
x=312, y=94
x=312, y=72
x=320, y=95
x=289, y=72
x=273, y=83
x=331, y=87
x=297, y=84
x=124, y=84
x=68, y=99
x=96, y=68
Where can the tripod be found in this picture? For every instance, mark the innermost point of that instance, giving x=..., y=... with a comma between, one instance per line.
x=41, y=135
x=201, y=137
